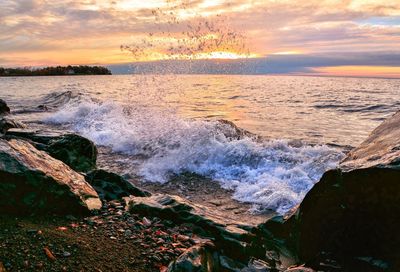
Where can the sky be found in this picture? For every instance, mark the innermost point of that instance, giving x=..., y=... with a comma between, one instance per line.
x=315, y=37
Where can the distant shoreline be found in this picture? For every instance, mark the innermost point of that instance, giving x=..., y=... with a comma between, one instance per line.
x=55, y=71
x=57, y=75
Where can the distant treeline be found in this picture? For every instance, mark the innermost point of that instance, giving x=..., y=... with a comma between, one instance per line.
x=56, y=71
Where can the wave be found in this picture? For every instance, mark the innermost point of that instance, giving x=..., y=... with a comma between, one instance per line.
x=270, y=174
x=57, y=99
x=353, y=108
x=48, y=102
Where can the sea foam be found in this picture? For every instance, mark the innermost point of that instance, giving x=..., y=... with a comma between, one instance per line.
x=270, y=174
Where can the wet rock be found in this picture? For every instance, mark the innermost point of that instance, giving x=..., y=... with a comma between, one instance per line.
x=7, y=123
x=199, y=258
x=233, y=132
x=33, y=182
x=227, y=264
x=74, y=150
x=353, y=210
x=231, y=237
x=205, y=257
x=111, y=186
x=256, y=265
x=4, y=109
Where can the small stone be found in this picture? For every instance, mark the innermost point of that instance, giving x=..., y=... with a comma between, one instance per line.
x=146, y=222
x=90, y=221
x=66, y=254
x=182, y=238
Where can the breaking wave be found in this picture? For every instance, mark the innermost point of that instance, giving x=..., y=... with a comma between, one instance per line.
x=270, y=174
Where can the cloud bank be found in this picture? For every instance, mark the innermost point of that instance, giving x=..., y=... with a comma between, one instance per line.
x=321, y=33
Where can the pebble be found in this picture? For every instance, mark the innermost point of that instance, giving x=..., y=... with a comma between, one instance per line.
x=66, y=254
x=146, y=222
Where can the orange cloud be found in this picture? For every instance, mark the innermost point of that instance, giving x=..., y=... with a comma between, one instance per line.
x=360, y=71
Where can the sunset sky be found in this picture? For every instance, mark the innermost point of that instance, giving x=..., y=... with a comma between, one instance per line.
x=332, y=37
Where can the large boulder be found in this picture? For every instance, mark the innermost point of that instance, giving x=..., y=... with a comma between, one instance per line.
x=31, y=181
x=74, y=150
x=4, y=109
x=111, y=186
x=353, y=211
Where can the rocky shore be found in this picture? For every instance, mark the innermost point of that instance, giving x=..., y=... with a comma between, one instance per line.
x=59, y=212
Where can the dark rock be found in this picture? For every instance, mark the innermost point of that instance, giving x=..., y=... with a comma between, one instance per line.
x=43, y=107
x=199, y=258
x=353, y=210
x=233, y=132
x=74, y=150
x=33, y=182
x=7, y=123
x=257, y=266
x=111, y=186
x=204, y=257
x=357, y=205
x=36, y=137
x=4, y=109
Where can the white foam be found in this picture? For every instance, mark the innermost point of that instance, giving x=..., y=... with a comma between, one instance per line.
x=270, y=174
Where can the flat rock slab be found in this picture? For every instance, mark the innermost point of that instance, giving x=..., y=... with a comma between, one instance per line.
x=175, y=207
x=231, y=237
x=31, y=181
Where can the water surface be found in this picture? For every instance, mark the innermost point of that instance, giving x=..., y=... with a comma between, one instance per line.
x=164, y=125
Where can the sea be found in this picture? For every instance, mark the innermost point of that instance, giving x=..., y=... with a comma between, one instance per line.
x=159, y=126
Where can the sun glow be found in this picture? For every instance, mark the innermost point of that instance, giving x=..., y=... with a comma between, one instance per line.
x=291, y=52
